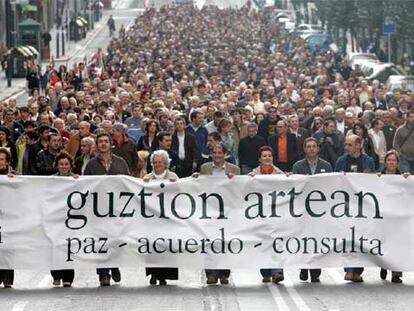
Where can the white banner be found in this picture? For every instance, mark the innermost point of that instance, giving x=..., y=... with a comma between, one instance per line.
x=328, y=220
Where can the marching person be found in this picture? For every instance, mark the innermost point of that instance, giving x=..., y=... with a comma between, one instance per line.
x=160, y=162
x=220, y=168
x=391, y=163
x=310, y=165
x=106, y=163
x=6, y=276
x=356, y=162
x=266, y=167
x=64, y=165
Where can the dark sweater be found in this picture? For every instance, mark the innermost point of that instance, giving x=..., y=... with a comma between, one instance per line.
x=248, y=150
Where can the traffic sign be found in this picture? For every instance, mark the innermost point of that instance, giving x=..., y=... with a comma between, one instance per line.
x=389, y=28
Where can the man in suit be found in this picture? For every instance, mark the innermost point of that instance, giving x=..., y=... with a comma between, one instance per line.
x=185, y=146
x=311, y=165
x=300, y=133
x=285, y=147
x=220, y=168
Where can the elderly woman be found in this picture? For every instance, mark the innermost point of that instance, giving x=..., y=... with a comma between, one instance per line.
x=6, y=276
x=160, y=162
x=391, y=163
x=266, y=167
x=64, y=164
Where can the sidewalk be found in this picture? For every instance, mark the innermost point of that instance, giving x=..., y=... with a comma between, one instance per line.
x=72, y=48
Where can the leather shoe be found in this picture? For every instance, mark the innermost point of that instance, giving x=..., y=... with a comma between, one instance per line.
x=303, y=275
x=357, y=278
x=349, y=276
x=315, y=280
x=394, y=279
x=116, y=275
x=163, y=282
x=224, y=281
x=7, y=285
x=56, y=282
x=266, y=279
x=211, y=280
x=277, y=277
x=383, y=274
x=67, y=284
x=153, y=280
x=105, y=280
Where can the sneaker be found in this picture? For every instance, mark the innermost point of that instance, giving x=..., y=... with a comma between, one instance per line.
x=56, y=282
x=105, y=280
x=116, y=275
x=224, y=281
x=266, y=279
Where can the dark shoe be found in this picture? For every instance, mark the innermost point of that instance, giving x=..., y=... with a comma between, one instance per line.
x=7, y=285
x=394, y=279
x=277, y=277
x=357, y=278
x=224, y=281
x=266, y=279
x=105, y=280
x=56, y=282
x=163, y=282
x=349, y=276
x=116, y=275
x=315, y=280
x=383, y=274
x=211, y=280
x=67, y=284
x=303, y=275
x=153, y=280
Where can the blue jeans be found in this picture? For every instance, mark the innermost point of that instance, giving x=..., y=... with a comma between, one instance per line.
x=406, y=165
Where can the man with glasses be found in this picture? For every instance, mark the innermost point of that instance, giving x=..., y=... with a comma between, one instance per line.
x=267, y=127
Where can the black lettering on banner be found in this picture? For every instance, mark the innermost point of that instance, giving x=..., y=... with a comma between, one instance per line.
x=69, y=202
x=240, y=245
x=144, y=194
x=144, y=248
x=274, y=195
x=189, y=243
x=89, y=245
x=321, y=198
x=110, y=212
x=345, y=203
x=130, y=195
x=256, y=208
x=293, y=194
x=275, y=245
x=155, y=247
x=204, y=198
x=361, y=197
x=192, y=203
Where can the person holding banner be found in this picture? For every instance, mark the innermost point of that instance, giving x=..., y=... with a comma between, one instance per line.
x=160, y=162
x=354, y=161
x=312, y=164
x=220, y=168
x=391, y=162
x=64, y=165
x=266, y=167
x=106, y=163
x=6, y=276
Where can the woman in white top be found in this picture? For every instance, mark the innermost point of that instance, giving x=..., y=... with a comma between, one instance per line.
x=379, y=141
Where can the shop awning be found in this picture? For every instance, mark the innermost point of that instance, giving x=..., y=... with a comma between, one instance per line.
x=27, y=50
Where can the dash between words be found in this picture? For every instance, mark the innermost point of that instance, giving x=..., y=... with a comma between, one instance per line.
x=184, y=205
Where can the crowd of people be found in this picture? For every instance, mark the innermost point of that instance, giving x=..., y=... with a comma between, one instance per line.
x=222, y=92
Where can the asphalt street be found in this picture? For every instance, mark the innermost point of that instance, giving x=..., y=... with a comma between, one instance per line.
x=33, y=291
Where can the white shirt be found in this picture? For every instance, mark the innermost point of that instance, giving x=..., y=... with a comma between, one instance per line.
x=181, y=149
x=219, y=171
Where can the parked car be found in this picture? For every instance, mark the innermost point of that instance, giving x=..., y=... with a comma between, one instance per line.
x=323, y=41
x=395, y=81
x=360, y=58
x=186, y=2
x=303, y=29
x=380, y=71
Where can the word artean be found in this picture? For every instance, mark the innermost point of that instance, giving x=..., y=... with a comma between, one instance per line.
x=184, y=206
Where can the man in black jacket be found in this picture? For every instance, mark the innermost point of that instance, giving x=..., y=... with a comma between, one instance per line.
x=185, y=146
x=106, y=163
x=267, y=127
x=46, y=157
x=248, y=149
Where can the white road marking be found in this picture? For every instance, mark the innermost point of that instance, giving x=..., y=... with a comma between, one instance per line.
x=336, y=276
x=300, y=303
x=20, y=306
x=277, y=297
x=45, y=282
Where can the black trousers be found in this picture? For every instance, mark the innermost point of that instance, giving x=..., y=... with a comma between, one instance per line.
x=7, y=276
x=314, y=273
x=64, y=275
x=218, y=273
x=104, y=271
x=163, y=273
